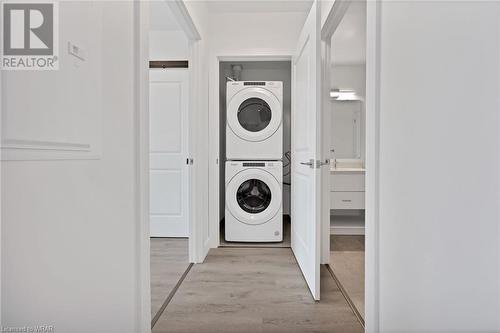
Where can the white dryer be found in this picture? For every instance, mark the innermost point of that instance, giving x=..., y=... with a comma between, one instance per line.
x=254, y=127
x=253, y=201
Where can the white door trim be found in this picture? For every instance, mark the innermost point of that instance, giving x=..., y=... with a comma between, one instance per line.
x=180, y=11
x=1, y=126
x=141, y=138
x=325, y=151
x=214, y=154
x=198, y=249
x=372, y=176
x=372, y=149
x=333, y=20
x=141, y=147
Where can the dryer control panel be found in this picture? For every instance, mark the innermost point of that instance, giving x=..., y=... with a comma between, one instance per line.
x=255, y=164
x=250, y=83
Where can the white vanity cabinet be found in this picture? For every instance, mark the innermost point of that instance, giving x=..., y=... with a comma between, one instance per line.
x=347, y=189
x=347, y=201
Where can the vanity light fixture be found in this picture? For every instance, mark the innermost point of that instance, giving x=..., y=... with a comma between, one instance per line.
x=343, y=95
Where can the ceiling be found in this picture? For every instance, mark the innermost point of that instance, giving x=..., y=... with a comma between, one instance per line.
x=258, y=6
x=161, y=18
x=349, y=40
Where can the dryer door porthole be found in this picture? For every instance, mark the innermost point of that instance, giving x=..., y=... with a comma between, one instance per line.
x=253, y=196
x=254, y=114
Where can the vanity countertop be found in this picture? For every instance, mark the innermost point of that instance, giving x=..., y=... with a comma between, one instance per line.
x=347, y=170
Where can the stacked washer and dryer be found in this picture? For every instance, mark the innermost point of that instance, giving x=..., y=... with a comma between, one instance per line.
x=254, y=168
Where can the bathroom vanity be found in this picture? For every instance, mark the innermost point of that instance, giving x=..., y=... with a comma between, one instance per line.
x=347, y=188
x=347, y=146
x=347, y=197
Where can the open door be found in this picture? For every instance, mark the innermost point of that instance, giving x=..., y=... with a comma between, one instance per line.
x=306, y=144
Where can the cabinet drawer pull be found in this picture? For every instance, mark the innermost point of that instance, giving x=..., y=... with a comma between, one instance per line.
x=347, y=200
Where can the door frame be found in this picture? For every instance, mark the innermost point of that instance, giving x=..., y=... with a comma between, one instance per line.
x=335, y=16
x=214, y=139
x=141, y=147
x=372, y=138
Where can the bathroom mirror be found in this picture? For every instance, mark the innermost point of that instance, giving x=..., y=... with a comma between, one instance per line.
x=346, y=129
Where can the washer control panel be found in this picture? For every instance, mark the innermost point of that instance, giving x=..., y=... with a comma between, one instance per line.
x=254, y=164
x=269, y=84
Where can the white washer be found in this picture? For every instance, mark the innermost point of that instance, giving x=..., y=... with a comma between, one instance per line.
x=253, y=201
x=254, y=127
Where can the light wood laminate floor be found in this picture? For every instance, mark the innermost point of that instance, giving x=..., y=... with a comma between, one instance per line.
x=347, y=260
x=169, y=260
x=248, y=290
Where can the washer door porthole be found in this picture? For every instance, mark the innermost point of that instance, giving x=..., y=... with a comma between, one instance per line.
x=253, y=196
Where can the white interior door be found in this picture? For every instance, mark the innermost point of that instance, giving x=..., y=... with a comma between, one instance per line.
x=305, y=190
x=169, y=170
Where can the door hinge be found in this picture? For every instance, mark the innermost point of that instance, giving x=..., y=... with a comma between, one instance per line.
x=189, y=161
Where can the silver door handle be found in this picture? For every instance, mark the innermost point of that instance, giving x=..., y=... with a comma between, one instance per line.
x=326, y=162
x=315, y=164
x=310, y=163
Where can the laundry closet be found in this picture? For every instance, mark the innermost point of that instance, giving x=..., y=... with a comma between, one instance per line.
x=277, y=53
x=255, y=104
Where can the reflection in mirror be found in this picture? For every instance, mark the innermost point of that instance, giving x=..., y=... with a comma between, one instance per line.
x=346, y=129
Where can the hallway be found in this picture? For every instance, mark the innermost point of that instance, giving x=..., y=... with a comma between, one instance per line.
x=254, y=290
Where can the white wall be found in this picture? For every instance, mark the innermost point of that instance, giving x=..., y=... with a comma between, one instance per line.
x=168, y=45
x=350, y=77
x=255, y=33
x=243, y=34
x=439, y=167
x=69, y=250
x=67, y=120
